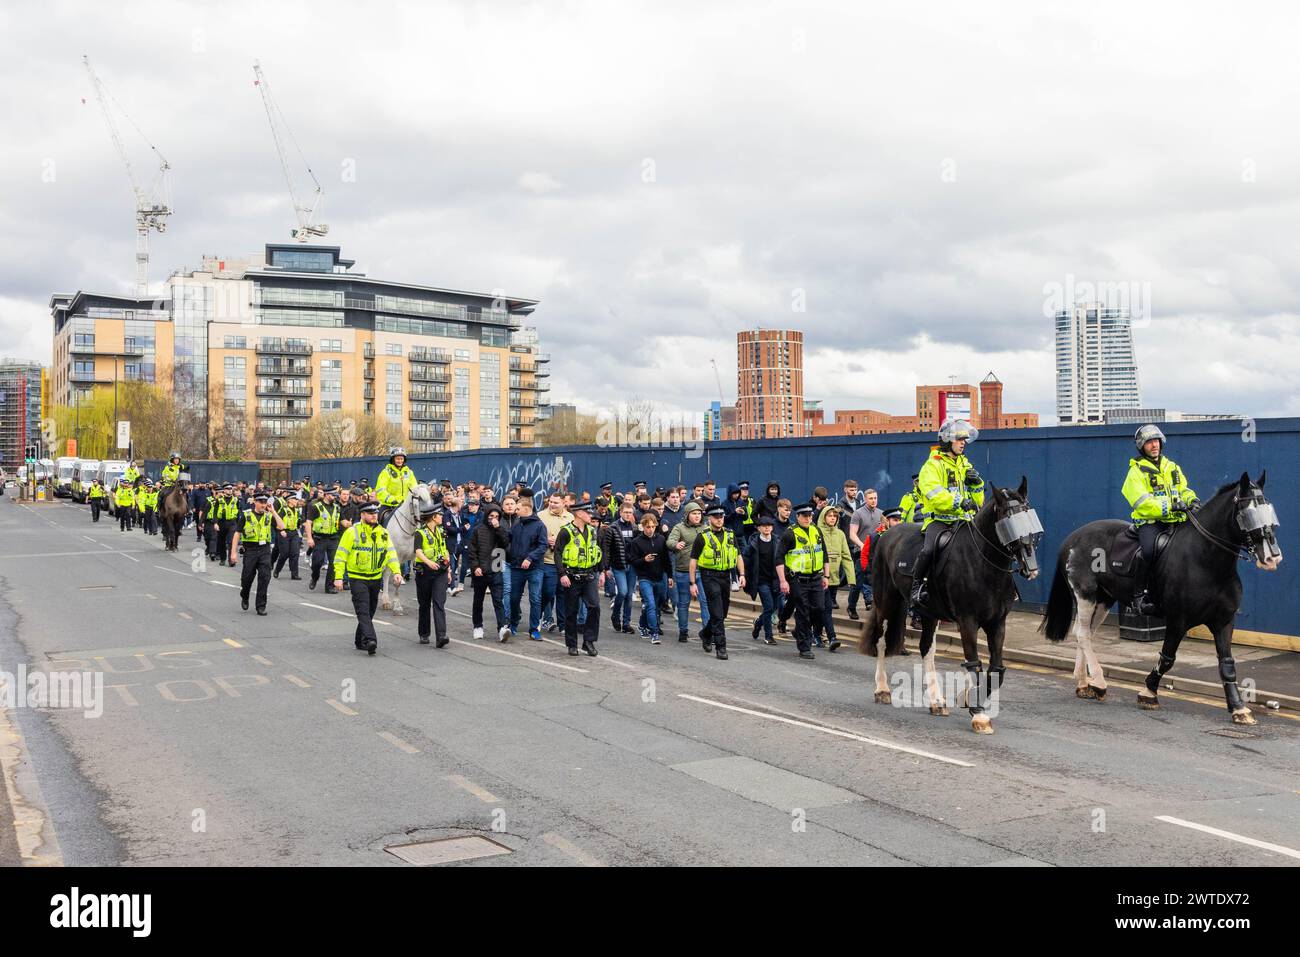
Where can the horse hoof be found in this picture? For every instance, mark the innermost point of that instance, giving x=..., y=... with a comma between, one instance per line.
x=1148, y=704
x=884, y=697
x=1243, y=716
x=939, y=710
x=1084, y=691
x=1099, y=693
x=981, y=724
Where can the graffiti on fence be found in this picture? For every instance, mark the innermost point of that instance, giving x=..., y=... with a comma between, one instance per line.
x=541, y=474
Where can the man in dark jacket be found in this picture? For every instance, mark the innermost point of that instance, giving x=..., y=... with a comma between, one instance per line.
x=767, y=504
x=762, y=584
x=614, y=540
x=524, y=554
x=486, y=556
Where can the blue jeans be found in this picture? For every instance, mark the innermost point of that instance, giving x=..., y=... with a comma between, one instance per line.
x=770, y=596
x=550, y=585
x=531, y=578
x=624, y=581
x=682, y=583
x=653, y=595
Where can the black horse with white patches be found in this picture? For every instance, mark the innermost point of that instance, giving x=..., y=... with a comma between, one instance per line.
x=1195, y=579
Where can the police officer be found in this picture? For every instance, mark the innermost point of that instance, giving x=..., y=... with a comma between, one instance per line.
x=323, y=539
x=289, y=509
x=713, y=558
x=395, y=481
x=171, y=473
x=97, y=498
x=124, y=505
x=432, y=574
x=255, y=531
x=1158, y=493
x=802, y=570
x=910, y=504
x=226, y=519
x=364, y=551
x=951, y=491
x=580, y=565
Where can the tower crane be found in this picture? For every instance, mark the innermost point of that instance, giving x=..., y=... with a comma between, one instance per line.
x=722, y=398
x=306, y=214
x=152, y=207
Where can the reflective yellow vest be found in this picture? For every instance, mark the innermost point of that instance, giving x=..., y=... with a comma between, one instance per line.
x=171, y=474
x=1152, y=488
x=288, y=514
x=96, y=491
x=393, y=484
x=433, y=543
x=365, y=551
x=326, y=521
x=717, y=555
x=230, y=509
x=581, y=552
x=942, y=481
x=124, y=498
x=256, y=529
x=806, y=557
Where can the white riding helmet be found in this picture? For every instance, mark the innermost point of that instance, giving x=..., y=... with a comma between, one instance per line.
x=954, y=429
x=1146, y=434
x=395, y=451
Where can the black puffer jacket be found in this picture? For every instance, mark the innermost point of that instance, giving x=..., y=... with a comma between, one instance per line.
x=484, y=540
x=767, y=504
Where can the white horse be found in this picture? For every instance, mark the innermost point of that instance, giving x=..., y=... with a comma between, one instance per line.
x=401, y=527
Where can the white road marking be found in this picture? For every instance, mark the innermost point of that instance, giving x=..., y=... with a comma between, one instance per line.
x=1240, y=839
x=168, y=605
x=565, y=846
x=206, y=627
x=465, y=784
x=500, y=651
x=173, y=571
x=398, y=743
x=232, y=643
x=186, y=615
x=213, y=581
x=824, y=729
x=340, y=707
x=125, y=555
x=263, y=661
x=295, y=680
x=115, y=551
x=89, y=539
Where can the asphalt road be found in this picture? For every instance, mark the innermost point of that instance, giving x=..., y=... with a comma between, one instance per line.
x=227, y=738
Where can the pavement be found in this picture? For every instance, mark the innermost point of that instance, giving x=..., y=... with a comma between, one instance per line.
x=227, y=738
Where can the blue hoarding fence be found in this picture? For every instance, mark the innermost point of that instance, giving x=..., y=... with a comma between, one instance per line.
x=213, y=471
x=1074, y=475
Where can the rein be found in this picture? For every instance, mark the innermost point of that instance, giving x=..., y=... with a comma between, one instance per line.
x=979, y=551
x=398, y=514
x=1241, y=552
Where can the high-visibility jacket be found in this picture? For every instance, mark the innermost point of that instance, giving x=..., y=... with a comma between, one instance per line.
x=229, y=509
x=582, y=551
x=942, y=481
x=255, y=529
x=393, y=484
x=808, y=557
x=910, y=505
x=719, y=551
x=96, y=491
x=432, y=542
x=216, y=507
x=749, y=513
x=1152, y=488
x=132, y=473
x=365, y=551
x=124, y=497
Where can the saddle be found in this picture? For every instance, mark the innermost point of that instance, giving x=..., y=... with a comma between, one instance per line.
x=907, y=557
x=1126, y=559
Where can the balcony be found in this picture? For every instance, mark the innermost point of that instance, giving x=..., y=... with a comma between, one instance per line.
x=421, y=374
x=437, y=413
x=429, y=433
x=282, y=347
x=368, y=350
x=429, y=447
x=522, y=402
x=86, y=377
x=82, y=349
x=283, y=369
x=437, y=356
x=517, y=383
x=519, y=418
x=543, y=357
x=429, y=395
x=292, y=391
x=517, y=365
x=368, y=392
x=283, y=412
x=369, y=372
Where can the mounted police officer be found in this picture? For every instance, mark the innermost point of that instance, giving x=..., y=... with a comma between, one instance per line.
x=394, y=482
x=1158, y=493
x=255, y=531
x=171, y=472
x=951, y=491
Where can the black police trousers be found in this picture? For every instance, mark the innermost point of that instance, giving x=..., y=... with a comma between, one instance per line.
x=717, y=592
x=322, y=556
x=288, y=546
x=257, y=564
x=431, y=591
x=807, y=595
x=365, y=599
x=581, y=591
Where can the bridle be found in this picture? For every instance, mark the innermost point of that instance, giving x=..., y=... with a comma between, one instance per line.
x=1240, y=550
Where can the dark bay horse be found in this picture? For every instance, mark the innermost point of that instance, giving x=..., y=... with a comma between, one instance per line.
x=1195, y=578
x=172, y=510
x=970, y=583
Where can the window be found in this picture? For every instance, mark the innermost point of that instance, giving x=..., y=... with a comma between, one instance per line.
x=331, y=345
x=297, y=317
x=393, y=349
x=236, y=342
x=424, y=327
x=462, y=355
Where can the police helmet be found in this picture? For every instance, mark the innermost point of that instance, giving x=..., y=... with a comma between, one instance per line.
x=954, y=429
x=1146, y=434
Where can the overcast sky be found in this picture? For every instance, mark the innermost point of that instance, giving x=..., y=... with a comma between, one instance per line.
x=661, y=175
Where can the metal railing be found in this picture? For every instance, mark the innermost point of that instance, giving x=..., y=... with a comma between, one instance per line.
x=420, y=354
x=419, y=374
x=274, y=369
x=429, y=395
x=282, y=347
x=285, y=391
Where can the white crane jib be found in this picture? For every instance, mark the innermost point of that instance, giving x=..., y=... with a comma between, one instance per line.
x=306, y=214
x=152, y=207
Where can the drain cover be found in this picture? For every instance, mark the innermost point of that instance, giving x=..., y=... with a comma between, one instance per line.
x=447, y=850
x=1229, y=733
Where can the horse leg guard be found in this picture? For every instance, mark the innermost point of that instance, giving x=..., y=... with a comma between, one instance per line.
x=975, y=672
x=1164, y=664
x=1237, y=707
x=995, y=679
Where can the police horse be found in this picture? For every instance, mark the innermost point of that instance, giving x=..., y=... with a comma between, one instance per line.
x=172, y=509
x=1194, y=579
x=401, y=525
x=970, y=583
